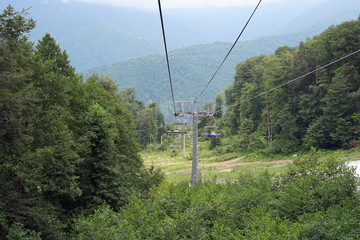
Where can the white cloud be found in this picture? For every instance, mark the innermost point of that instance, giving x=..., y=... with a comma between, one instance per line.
x=166, y=4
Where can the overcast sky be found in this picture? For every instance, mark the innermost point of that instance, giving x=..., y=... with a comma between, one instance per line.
x=166, y=4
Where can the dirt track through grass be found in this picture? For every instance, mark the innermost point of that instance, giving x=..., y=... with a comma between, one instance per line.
x=227, y=166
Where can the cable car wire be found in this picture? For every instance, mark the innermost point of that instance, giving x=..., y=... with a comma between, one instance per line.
x=229, y=51
x=166, y=54
x=295, y=79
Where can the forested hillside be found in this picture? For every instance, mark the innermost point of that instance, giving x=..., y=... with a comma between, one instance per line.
x=66, y=146
x=69, y=148
x=191, y=69
x=318, y=110
x=104, y=34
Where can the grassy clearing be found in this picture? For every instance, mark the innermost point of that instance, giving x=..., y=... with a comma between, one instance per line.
x=212, y=164
x=226, y=167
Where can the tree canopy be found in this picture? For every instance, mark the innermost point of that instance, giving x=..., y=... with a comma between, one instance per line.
x=66, y=145
x=316, y=110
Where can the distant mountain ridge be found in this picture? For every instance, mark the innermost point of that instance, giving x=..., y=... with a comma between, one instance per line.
x=191, y=68
x=94, y=34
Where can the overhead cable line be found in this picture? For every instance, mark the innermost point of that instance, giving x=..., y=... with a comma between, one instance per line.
x=166, y=54
x=295, y=79
x=237, y=39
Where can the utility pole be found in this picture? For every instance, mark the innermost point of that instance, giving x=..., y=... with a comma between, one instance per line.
x=195, y=167
x=161, y=137
x=194, y=108
x=184, y=149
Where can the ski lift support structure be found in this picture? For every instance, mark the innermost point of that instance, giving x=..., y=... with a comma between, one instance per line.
x=194, y=108
x=180, y=133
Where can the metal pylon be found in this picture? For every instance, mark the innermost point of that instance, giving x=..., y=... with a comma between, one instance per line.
x=191, y=107
x=195, y=167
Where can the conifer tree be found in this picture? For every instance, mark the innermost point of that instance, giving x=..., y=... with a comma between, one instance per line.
x=219, y=101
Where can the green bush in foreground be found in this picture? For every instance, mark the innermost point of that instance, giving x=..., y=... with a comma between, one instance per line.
x=315, y=199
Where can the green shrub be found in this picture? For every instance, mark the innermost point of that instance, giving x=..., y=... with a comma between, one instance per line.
x=314, y=185
x=104, y=223
x=338, y=222
x=315, y=199
x=17, y=231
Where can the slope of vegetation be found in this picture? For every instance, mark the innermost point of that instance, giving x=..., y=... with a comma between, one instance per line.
x=225, y=162
x=319, y=110
x=191, y=69
x=103, y=34
x=70, y=166
x=66, y=146
x=312, y=200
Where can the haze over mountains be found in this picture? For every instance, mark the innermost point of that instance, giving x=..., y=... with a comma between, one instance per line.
x=126, y=43
x=94, y=34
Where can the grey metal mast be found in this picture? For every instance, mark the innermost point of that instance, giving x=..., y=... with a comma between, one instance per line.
x=190, y=107
x=195, y=167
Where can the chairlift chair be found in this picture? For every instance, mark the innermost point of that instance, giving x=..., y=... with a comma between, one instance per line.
x=210, y=134
x=176, y=132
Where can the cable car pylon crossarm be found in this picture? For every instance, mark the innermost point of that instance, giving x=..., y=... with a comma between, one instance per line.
x=195, y=108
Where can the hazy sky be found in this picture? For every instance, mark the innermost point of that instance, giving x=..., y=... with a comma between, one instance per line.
x=153, y=4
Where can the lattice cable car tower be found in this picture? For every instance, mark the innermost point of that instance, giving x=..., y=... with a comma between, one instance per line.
x=195, y=108
x=181, y=133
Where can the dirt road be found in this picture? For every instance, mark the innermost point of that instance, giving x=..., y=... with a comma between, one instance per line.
x=227, y=166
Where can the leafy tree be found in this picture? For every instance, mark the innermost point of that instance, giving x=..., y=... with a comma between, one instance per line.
x=219, y=101
x=54, y=72
x=214, y=142
x=337, y=111
x=285, y=125
x=129, y=96
x=51, y=165
x=103, y=175
x=16, y=116
x=158, y=116
x=48, y=50
x=96, y=92
x=145, y=126
x=14, y=25
x=245, y=131
x=16, y=93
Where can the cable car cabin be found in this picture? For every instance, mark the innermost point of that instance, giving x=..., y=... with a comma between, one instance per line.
x=211, y=135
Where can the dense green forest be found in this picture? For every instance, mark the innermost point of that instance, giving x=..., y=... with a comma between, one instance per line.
x=69, y=148
x=191, y=68
x=66, y=145
x=316, y=199
x=319, y=110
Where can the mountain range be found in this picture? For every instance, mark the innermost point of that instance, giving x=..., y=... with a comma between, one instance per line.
x=191, y=69
x=95, y=34
x=126, y=43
